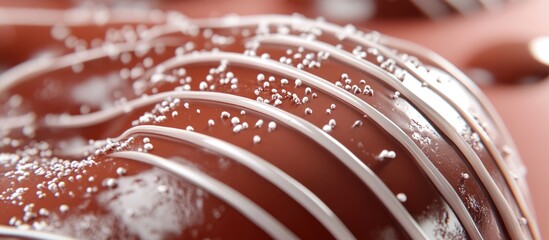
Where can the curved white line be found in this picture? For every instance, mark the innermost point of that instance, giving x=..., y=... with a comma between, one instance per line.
x=477, y=94
x=6, y=231
x=427, y=166
x=485, y=104
x=263, y=168
x=31, y=68
x=334, y=29
x=505, y=210
x=369, y=178
x=248, y=208
x=437, y=60
x=16, y=16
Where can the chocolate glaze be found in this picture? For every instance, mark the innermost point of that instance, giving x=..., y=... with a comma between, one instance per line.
x=363, y=139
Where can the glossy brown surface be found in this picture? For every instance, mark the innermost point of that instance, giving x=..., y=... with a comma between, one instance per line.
x=97, y=68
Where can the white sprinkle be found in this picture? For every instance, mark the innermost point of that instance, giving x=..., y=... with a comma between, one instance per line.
x=237, y=128
x=188, y=128
x=395, y=95
x=308, y=90
x=260, y=77
x=333, y=106
x=121, y=171
x=308, y=111
x=198, y=111
x=386, y=154
x=332, y=123
x=242, y=112
x=211, y=122
x=328, y=111
x=271, y=127
x=203, y=86
x=402, y=197
x=235, y=120
x=298, y=82
x=357, y=123
x=305, y=99
x=63, y=208
x=259, y=123
x=148, y=146
x=465, y=175
x=284, y=81
x=256, y=139
x=146, y=140
x=90, y=179
x=43, y=212
x=162, y=188
x=174, y=114
x=523, y=221
x=277, y=102
x=327, y=128
x=110, y=183
x=225, y=115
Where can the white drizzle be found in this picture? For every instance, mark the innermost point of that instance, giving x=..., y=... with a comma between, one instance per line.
x=329, y=143
x=248, y=208
x=479, y=97
x=486, y=106
x=491, y=147
x=442, y=64
x=29, y=69
x=505, y=210
x=445, y=65
x=286, y=183
x=29, y=234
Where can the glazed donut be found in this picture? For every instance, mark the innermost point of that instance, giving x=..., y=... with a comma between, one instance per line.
x=159, y=126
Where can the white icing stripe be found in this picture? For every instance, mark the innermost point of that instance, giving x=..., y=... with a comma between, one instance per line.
x=488, y=143
x=29, y=69
x=427, y=166
x=334, y=29
x=231, y=22
x=354, y=164
x=248, y=208
x=486, y=140
x=484, y=103
x=286, y=183
x=445, y=65
x=505, y=210
x=14, y=16
x=6, y=231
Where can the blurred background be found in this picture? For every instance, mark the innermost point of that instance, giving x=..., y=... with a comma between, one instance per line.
x=501, y=44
